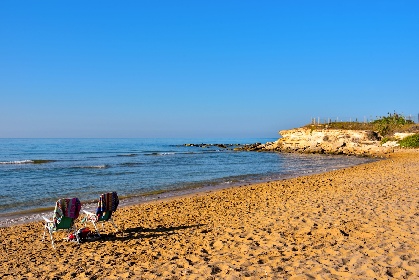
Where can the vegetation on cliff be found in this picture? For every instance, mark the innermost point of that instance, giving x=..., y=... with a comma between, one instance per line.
x=411, y=141
x=392, y=123
x=386, y=126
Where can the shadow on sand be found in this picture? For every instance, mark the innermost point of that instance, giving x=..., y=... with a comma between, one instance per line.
x=141, y=233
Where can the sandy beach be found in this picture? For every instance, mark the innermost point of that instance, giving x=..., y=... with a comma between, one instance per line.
x=355, y=223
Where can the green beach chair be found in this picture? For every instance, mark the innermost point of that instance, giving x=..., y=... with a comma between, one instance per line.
x=107, y=205
x=65, y=213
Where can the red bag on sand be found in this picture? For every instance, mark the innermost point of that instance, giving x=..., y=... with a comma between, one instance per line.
x=83, y=233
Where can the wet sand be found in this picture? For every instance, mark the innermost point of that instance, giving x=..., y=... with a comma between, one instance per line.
x=355, y=223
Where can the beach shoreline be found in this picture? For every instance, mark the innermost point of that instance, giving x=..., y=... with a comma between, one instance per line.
x=357, y=222
x=36, y=214
x=134, y=168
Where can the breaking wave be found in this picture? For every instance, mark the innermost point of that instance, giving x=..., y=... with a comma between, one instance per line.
x=162, y=154
x=101, y=166
x=28, y=161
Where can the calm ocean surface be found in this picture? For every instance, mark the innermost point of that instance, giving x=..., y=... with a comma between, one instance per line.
x=34, y=173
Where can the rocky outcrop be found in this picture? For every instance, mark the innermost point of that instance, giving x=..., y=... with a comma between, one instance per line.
x=322, y=141
x=327, y=141
x=331, y=141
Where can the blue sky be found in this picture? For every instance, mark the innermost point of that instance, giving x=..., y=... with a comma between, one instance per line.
x=202, y=68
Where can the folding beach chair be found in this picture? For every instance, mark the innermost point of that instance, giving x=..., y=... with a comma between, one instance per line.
x=65, y=213
x=108, y=203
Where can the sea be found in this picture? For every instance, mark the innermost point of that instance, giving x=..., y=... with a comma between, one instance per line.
x=35, y=173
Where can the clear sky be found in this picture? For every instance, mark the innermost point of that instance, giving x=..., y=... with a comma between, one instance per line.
x=202, y=68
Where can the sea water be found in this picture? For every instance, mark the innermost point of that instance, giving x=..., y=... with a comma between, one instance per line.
x=34, y=173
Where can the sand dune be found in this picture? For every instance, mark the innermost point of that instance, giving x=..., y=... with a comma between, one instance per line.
x=355, y=223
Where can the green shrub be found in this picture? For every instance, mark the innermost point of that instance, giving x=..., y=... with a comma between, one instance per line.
x=393, y=119
x=385, y=126
x=390, y=124
x=411, y=141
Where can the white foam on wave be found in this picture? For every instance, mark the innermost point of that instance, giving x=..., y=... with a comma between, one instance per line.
x=99, y=166
x=162, y=153
x=102, y=166
x=17, y=162
x=23, y=219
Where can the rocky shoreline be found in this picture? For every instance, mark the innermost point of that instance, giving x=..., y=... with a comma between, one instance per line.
x=312, y=140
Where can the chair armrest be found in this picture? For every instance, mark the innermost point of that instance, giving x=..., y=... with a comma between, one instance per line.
x=47, y=220
x=89, y=213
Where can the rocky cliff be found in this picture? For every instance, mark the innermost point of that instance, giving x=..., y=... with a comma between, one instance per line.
x=327, y=141
x=321, y=141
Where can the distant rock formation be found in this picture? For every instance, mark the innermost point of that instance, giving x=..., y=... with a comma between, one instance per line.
x=326, y=141
x=314, y=140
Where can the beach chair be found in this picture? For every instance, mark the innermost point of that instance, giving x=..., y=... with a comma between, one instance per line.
x=107, y=205
x=65, y=213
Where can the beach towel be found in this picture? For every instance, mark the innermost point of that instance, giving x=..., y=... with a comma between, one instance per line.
x=66, y=207
x=107, y=202
x=73, y=208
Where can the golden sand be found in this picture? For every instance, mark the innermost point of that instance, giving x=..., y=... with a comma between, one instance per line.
x=355, y=223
